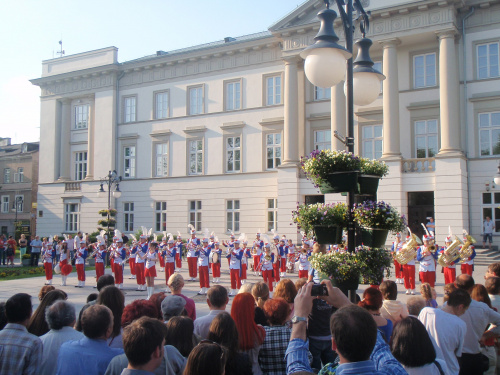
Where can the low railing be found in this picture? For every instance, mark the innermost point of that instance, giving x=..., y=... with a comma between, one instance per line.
x=418, y=165
x=72, y=186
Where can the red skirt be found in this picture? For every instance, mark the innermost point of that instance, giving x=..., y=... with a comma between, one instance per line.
x=150, y=272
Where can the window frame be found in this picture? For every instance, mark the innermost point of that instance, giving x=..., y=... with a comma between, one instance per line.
x=188, y=146
x=426, y=137
x=373, y=140
x=476, y=56
x=77, y=114
x=266, y=146
x=490, y=206
x=233, y=149
x=226, y=83
x=265, y=77
x=156, y=94
x=322, y=97
x=197, y=211
x=163, y=155
x=490, y=129
x=128, y=217
x=329, y=139
x=160, y=218
x=19, y=175
x=71, y=226
x=6, y=175
x=436, y=70
x=274, y=211
x=189, y=111
x=20, y=206
x=124, y=160
x=80, y=166
x=125, y=107
x=5, y=203
x=233, y=225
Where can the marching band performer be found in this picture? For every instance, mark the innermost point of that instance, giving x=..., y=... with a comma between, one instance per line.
x=468, y=265
x=234, y=257
x=80, y=256
x=277, y=257
x=409, y=274
x=283, y=254
x=266, y=265
x=192, y=245
x=151, y=257
x=119, y=256
x=131, y=259
x=162, y=247
x=178, y=253
x=47, y=257
x=137, y=253
x=203, y=255
x=100, y=255
x=168, y=254
x=64, y=262
x=244, y=258
x=216, y=261
x=229, y=245
x=303, y=259
x=112, y=249
x=450, y=269
x=427, y=259
x=258, y=244
x=396, y=246
x=211, y=245
x=290, y=251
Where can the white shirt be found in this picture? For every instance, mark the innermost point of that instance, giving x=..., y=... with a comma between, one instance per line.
x=52, y=342
x=448, y=332
x=477, y=317
x=429, y=369
x=488, y=227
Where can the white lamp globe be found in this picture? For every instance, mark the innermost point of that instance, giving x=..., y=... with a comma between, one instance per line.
x=497, y=179
x=117, y=194
x=325, y=67
x=365, y=86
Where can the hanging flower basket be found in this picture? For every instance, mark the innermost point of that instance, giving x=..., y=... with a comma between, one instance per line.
x=342, y=268
x=346, y=285
x=328, y=234
x=376, y=264
x=308, y=216
x=368, y=184
x=378, y=215
x=340, y=182
x=374, y=237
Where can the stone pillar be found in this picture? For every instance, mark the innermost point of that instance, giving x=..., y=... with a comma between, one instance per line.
x=90, y=141
x=338, y=117
x=302, y=109
x=391, y=142
x=291, y=128
x=449, y=101
x=65, y=155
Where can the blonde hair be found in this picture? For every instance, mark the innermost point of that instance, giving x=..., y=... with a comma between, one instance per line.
x=426, y=291
x=246, y=288
x=260, y=292
x=317, y=248
x=175, y=281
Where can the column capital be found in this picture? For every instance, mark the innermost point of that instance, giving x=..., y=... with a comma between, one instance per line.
x=448, y=33
x=391, y=42
x=289, y=60
x=66, y=101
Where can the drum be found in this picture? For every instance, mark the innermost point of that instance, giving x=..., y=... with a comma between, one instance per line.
x=215, y=257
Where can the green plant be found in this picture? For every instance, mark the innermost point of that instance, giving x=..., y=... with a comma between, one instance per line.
x=26, y=256
x=339, y=266
x=105, y=222
x=306, y=216
x=112, y=212
x=374, y=167
x=375, y=264
x=320, y=163
x=379, y=215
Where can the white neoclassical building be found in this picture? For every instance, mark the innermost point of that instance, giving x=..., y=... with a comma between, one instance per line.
x=212, y=135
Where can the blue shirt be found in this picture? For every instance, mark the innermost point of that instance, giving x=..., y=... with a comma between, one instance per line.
x=36, y=246
x=85, y=357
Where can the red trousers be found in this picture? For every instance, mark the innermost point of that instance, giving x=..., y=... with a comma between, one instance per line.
x=428, y=277
x=449, y=275
x=112, y=263
x=283, y=265
x=118, y=274
x=397, y=267
x=235, y=279
x=409, y=276
x=216, y=269
x=162, y=261
x=268, y=278
x=276, y=267
x=256, y=261
x=204, y=279
x=192, y=266
x=243, y=271
x=169, y=270
x=139, y=271
x=178, y=260
x=48, y=270
x=80, y=271
x=467, y=268
x=303, y=273
x=131, y=263
x=99, y=270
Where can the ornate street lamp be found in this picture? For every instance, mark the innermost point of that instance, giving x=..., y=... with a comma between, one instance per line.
x=112, y=179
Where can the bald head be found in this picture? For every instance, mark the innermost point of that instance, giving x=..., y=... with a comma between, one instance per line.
x=465, y=282
x=415, y=304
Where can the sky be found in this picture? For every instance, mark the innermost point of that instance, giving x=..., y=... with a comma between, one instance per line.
x=30, y=31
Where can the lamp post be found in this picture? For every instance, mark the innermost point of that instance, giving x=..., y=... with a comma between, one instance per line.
x=17, y=202
x=112, y=179
x=323, y=66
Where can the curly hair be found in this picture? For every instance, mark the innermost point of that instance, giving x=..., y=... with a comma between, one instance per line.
x=285, y=289
x=426, y=291
x=277, y=311
x=372, y=299
x=138, y=309
x=45, y=289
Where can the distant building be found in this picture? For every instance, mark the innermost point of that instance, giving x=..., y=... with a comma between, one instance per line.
x=18, y=186
x=212, y=135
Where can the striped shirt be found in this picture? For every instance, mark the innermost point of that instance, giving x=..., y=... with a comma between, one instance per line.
x=20, y=351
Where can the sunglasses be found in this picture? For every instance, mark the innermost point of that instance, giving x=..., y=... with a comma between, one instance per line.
x=205, y=341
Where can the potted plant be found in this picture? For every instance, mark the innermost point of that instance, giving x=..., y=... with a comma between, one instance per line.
x=105, y=222
x=26, y=260
x=375, y=264
x=104, y=213
x=376, y=220
x=332, y=171
x=324, y=220
x=370, y=174
x=341, y=267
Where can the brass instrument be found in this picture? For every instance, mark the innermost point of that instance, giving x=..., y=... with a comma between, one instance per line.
x=267, y=257
x=408, y=252
x=432, y=248
x=466, y=250
x=341, y=246
x=451, y=253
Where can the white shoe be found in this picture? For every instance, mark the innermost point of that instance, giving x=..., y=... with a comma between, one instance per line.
x=83, y=284
x=201, y=291
x=120, y=286
x=413, y=292
x=407, y=291
x=243, y=282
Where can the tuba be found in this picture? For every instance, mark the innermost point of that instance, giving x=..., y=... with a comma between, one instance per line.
x=451, y=253
x=466, y=250
x=408, y=252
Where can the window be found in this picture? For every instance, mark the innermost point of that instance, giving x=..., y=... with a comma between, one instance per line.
x=233, y=154
x=19, y=176
x=233, y=95
x=195, y=100
x=195, y=214
x=196, y=157
x=321, y=93
x=71, y=217
x=129, y=105
x=487, y=60
x=161, y=104
x=233, y=215
x=273, y=90
x=128, y=216
x=80, y=165
x=372, y=141
x=160, y=216
x=272, y=214
x=5, y=204
x=81, y=116
x=489, y=133
x=6, y=176
x=161, y=159
x=426, y=138
x=322, y=139
x=273, y=149
x=19, y=203
x=424, y=70
x=378, y=67
x=129, y=162
x=490, y=208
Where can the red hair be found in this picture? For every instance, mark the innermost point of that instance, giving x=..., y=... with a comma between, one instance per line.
x=243, y=314
x=138, y=309
x=277, y=310
x=372, y=299
x=157, y=299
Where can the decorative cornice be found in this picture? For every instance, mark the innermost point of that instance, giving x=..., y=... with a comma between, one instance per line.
x=160, y=133
x=233, y=125
x=272, y=121
x=128, y=136
x=195, y=129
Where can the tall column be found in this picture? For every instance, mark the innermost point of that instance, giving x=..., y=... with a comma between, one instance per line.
x=291, y=129
x=338, y=116
x=65, y=155
x=390, y=100
x=449, y=101
x=302, y=108
x=90, y=141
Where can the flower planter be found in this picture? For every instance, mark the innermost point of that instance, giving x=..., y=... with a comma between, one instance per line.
x=374, y=237
x=346, y=285
x=26, y=262
x=368, y=184
x=328, y=234
x=340, y=182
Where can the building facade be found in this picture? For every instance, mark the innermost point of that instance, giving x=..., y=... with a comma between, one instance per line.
x=212, y=135
x=18, y=187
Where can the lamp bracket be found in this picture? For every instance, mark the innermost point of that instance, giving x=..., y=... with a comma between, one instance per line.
x=340, y=137
x=361, y=15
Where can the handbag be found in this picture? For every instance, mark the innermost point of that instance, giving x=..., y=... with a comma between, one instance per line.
x=57, y=268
